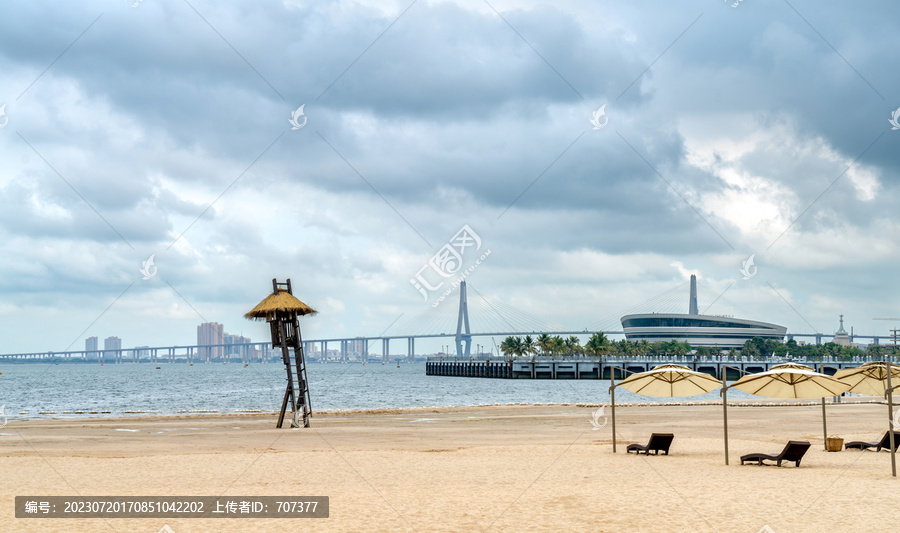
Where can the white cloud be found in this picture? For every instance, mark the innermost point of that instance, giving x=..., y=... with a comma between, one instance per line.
x=451, y=117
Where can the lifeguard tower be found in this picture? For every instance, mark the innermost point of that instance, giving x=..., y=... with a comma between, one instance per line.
x=281, y=310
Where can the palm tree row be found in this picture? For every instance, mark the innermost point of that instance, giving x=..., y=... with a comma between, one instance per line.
x=600, y=345
x=546, y=345
x=597, y=345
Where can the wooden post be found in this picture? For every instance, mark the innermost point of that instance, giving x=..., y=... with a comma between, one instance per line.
x=725, y=419
x=725, y=408
x=283, y=407
x=890, y=395
x=824, y=420
x=612, y=394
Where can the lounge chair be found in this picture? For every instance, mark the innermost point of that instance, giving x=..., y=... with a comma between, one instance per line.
x=884, y=443
x=794, y=451
x=659, y=442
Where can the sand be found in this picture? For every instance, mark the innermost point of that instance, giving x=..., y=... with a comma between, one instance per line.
x=510, y=468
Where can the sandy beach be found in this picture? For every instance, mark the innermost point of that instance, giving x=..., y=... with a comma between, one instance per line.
x=500, y=468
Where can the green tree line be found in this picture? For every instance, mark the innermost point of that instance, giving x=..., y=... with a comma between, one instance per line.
x=599, y=345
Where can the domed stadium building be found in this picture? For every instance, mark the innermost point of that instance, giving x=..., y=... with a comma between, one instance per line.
x=696, y=329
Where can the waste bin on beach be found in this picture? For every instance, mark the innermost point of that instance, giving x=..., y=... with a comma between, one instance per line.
x=834, y=444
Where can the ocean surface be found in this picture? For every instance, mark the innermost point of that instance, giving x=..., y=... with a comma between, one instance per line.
x=27, y=390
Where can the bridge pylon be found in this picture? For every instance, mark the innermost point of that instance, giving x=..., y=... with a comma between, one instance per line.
x=463, y=323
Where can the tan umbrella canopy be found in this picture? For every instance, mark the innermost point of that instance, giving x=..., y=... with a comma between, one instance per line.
x=791, y=380
x=279, y=301
x=666, y=381
x=670, y=381
x=875, y=379
x=869, y=379
x=788, y=380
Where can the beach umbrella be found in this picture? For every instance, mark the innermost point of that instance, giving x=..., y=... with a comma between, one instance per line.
x=791, y=380
x=875, y=379
x=665, y=381
x=870, y=379
x=788, y=380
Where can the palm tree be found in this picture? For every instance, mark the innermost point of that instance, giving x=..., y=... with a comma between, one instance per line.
x=573, y=345
x=543, y=342
x=511, y=346
x=645, y=347
x=528, y=346
x=558, y=346
x=598, y=344
x=520, y=347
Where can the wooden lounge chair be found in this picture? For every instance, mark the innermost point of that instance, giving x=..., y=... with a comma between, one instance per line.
x=884, y=443
x=794, y=451
x=659, y=442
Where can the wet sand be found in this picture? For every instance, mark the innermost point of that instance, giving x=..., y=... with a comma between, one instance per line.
x=505, y=468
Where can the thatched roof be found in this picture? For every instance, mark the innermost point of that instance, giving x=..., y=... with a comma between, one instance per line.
x=280, y=301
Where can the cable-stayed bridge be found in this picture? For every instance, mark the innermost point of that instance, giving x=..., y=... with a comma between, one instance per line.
x=492, y=318
x=496, y=318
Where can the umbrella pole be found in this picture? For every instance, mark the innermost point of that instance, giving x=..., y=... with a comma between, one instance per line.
x=725, y=410
x=890, y=400
x=612, y=395
x=824, y=423
x=725, y=418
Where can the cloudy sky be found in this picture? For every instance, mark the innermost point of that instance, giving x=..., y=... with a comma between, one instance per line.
x=162, y=127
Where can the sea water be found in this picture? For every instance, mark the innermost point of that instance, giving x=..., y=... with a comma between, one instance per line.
x=26, y=390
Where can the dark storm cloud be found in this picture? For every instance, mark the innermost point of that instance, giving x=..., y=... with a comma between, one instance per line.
x=449, y=117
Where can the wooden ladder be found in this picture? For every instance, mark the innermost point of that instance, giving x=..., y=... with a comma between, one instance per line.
x=300, y=385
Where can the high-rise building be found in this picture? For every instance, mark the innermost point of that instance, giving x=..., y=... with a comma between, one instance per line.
x=110, y=344
x=210, y=333
x=234, y=348
x=90, y=345
x=357, y=348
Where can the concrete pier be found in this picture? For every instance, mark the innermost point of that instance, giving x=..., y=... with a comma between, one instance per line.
x=576, y=368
